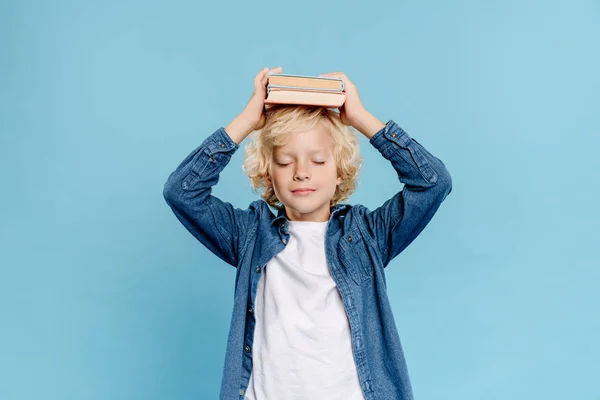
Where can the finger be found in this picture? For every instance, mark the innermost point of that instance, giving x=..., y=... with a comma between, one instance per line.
x=276, y=70
x=337, y=75
x=261, y=77
x=332, y=74
x=261, y=74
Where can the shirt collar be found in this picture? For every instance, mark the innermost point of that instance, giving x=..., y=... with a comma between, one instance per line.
x=282, y=217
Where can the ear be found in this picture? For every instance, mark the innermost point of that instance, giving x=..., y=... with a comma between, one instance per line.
x=339, y=180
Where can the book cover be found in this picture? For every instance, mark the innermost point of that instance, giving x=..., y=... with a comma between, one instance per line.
x=312, y=97
x=306, y=82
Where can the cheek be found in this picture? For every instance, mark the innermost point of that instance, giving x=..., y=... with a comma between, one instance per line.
x=276, y=178
x=333, y=173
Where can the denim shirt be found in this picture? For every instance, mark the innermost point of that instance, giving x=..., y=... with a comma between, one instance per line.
x=359, y=244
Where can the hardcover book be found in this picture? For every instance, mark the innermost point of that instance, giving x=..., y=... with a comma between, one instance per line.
x=305, y=90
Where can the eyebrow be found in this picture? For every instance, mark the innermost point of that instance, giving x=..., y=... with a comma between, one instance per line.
x=285, y=153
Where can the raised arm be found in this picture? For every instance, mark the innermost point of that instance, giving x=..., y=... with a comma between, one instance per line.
x=218, y=225
x=427, y=182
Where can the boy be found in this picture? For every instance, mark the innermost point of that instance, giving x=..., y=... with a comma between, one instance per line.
x=311, y=317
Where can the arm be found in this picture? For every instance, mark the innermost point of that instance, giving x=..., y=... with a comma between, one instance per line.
x=427, y=182
x=215, y=223
x=222, y=228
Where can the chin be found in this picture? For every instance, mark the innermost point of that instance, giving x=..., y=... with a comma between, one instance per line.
x=304, y=207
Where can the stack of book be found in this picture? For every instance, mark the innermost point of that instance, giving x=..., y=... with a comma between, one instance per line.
x=305, y=90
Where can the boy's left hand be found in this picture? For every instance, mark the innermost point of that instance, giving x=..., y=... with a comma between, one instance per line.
x=352, y=112
x=352, y=109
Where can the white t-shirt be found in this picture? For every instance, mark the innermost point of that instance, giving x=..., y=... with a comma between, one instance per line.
x=302, y=347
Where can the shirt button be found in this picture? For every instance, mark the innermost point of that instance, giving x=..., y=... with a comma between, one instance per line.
x=250, y=309
x=349, y=238
x=247, y=348
x=258, y=269
x=284, y=241
x=241, y=392
x=222, y=144
x=394, y=135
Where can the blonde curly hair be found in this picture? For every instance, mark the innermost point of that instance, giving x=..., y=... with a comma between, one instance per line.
x=283, y=119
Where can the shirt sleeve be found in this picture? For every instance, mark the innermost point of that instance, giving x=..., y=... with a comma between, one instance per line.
x=218, y=225
x=427, y=182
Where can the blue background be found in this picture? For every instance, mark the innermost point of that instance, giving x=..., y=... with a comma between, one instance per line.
x=104, y=295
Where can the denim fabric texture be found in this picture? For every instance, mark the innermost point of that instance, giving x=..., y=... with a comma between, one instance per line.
x=359, y=245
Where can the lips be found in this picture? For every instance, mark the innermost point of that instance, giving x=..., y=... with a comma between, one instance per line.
x=302, y=191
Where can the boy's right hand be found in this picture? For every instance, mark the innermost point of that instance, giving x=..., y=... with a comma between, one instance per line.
x=253, y=116
x=255, y=109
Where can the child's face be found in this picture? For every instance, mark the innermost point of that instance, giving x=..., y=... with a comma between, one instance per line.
x=307, y=161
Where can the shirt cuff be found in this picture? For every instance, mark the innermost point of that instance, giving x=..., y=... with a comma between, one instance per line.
x=390, y=132
x=220, y=142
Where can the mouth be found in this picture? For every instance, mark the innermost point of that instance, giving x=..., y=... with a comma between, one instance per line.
x=302, y=192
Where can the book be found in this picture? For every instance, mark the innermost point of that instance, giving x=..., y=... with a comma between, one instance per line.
x=305, y=97
x=305, y=90
x=306, y=81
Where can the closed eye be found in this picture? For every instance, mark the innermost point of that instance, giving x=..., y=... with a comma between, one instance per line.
x=285, y=165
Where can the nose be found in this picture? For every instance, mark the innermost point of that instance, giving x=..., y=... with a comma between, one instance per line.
x=301, y=173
